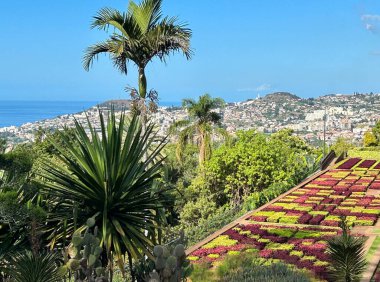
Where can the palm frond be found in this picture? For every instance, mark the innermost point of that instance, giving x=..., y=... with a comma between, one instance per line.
x=93, y=52
x=168, y=37
x=177, y=125
x=109, y=17
x=146, y=14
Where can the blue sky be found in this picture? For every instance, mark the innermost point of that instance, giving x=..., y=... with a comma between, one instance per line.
x=242, y=48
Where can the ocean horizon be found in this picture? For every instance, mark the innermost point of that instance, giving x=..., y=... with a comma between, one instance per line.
x=17, y=113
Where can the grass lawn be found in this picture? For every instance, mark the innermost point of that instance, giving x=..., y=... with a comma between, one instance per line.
x=372, y=250
x=370, y=155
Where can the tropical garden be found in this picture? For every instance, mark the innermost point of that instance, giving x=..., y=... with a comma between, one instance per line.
x=116, y=201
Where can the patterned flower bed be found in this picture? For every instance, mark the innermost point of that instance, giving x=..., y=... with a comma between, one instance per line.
x=294, y=228
x=303, y=247
x=336, y=193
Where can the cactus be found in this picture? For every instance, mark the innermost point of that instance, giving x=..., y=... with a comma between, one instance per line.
x=168, y=267
x=84, y=255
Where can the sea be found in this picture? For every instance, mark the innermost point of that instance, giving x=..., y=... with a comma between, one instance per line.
x=16, y=113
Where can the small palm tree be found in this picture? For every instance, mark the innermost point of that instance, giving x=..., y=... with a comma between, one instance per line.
x=140, y=35
x=106, y=176
x=347, y=256
x=202, y=123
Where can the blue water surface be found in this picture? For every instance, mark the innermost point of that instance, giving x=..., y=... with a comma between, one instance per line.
x=20, y=112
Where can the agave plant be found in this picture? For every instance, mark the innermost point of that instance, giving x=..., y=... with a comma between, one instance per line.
x=110, y=176
x=347, y=256
x=28, y=267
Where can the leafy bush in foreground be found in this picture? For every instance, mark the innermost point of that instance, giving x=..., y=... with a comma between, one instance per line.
x=247, y=267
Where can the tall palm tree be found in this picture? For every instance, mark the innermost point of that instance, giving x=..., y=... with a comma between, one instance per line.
x=199, y=127
x=106, y=176
x=140, y=35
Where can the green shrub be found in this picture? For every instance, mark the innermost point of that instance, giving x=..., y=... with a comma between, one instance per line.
x=273, y=273
x=208, y=226
x=202, y=273
x=247, y=267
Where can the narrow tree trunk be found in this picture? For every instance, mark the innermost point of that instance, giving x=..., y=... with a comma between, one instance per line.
x=131, y=267
x=142, y=98
x=202, y=148
x=110, y=265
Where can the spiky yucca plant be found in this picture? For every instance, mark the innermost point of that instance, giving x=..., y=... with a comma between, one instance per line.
x=27, y=267
x=110, y=175
x=347, y=256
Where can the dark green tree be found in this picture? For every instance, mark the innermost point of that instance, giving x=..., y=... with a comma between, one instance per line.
x=341, y=146
x=376, y=131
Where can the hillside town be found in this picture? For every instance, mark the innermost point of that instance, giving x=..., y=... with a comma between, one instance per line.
x=314, y=119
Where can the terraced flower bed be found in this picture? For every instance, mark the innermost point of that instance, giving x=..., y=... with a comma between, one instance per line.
x=303, y=247
x=294, y=228
x=333, y=194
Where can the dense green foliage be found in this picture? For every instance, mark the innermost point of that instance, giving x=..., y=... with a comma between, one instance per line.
x=242, y=175
x=372, y=137
x=341, y=146
x=249, y=268
x=376, y=131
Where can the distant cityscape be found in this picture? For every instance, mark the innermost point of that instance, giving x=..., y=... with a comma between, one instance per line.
x=347, y=115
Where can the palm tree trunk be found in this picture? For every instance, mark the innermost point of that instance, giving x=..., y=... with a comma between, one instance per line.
x=142, y=97
x=202, y=148
x=142, y=83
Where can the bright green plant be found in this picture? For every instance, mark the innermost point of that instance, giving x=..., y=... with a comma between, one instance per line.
x=347, y=256
x=110, y=176
x=341, y=146
x=248, y=267
x=376, y=131
x=369, y=139
x=139, y=35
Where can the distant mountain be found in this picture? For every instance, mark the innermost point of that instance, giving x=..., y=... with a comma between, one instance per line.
x=278, y=96
x=121, y=104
